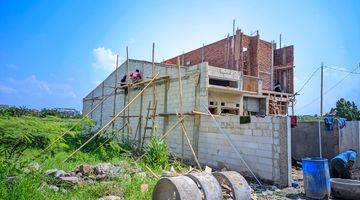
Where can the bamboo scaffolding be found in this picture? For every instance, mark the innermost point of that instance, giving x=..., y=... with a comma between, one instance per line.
x=189, y=143
x=62, y=135
x=227, y=137
x=153, y=72
x=164, y=135
x=114, y=118
x=115, y=82
x=109, y=138
x=154, y=88
x=128, y=89
x=102, y=104
x=181, y=106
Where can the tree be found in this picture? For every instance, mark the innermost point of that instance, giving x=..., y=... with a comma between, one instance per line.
x=347, y=109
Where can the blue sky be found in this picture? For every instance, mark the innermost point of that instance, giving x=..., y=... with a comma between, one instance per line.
x=52, y=53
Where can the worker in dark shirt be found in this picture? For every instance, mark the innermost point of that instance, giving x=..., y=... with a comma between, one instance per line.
x=342, y=164
x=123, y=83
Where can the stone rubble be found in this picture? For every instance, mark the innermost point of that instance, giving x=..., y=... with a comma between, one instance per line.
x=110, y=198
x=86, y=172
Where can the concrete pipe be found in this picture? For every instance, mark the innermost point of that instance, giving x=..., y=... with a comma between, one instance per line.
x=345, y=188
x=240, y=189
x=209, y=186
x=179, y=188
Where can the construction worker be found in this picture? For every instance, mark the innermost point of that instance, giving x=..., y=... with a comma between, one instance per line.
x=136, y=76
x=123, y=83
x=342, y=164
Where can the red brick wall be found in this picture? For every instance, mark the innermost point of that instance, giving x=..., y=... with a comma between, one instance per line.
x=255, y=61
x=264, y=59
x=284, y=59
x=284, y=56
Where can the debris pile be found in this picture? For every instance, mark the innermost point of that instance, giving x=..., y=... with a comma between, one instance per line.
x=356, y=174
x=86, y=172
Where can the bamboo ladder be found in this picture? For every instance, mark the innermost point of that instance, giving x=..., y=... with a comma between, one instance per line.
x=151, y=117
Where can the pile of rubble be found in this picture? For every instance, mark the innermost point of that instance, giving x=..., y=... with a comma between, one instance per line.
x=87, y=172
x=356, y=174
x=272, y=192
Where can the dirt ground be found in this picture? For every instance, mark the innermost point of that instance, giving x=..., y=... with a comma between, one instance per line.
x=272, y=192
x=356, y=174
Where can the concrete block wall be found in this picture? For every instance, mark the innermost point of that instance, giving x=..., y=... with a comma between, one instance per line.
x=165, y=104
x=264, y=144
x=349, y=138
x=222, y=73
x=305, y=141
x=333, y=142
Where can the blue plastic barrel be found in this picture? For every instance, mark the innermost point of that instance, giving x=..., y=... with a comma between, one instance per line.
x=316, y=177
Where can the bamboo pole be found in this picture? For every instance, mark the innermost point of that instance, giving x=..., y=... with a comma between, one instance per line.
x=153, y=72
x=139, y=129
x=117, y=115
x=62, y=135
x=102, y=104
x=108, y=139
x=200, y=113
x=189, y=143
x=181, y=106
x=227, y=137
x=92, y=102
x=172, y=128
x=154, y=103
x=164, y=135
x=115, y=83
x=151, y=171
x=128, y=89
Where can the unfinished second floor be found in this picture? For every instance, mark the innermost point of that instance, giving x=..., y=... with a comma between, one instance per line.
x=250, y=55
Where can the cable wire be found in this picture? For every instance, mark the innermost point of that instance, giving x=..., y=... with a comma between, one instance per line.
x=328, y=90
x=342, y=70
x=307, y=81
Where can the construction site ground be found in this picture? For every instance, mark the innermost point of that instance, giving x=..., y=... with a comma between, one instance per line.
x=296, y=191
x=270, y=192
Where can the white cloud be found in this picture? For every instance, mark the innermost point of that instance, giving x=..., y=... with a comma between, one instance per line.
x=6, y=90
x=32, y=86
x=40, y=85
x=11, y=66
x=105, y=59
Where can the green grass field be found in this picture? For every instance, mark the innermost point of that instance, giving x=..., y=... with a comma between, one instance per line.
x=23, y=140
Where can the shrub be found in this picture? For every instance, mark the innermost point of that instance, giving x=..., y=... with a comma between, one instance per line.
x=157, y=153
x=16, y=111
x=18, y=134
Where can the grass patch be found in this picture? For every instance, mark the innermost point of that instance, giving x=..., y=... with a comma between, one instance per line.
x=30, y=135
